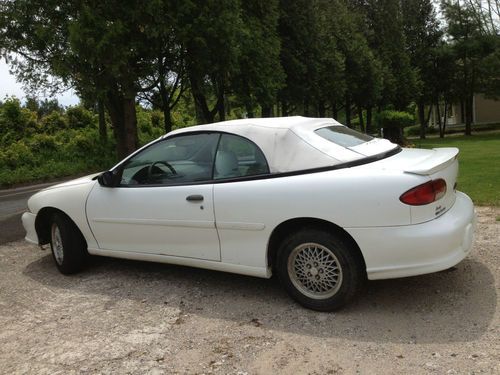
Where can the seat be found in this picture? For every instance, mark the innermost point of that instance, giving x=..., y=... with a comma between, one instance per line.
x=226, y=165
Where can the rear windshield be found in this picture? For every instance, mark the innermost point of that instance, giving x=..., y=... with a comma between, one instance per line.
x=343, y=136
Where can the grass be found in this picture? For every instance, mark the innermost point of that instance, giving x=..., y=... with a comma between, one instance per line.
x=479, y=174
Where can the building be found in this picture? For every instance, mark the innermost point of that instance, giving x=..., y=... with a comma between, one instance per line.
x=485, y=111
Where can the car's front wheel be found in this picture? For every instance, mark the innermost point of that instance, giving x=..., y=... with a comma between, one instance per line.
x=69, y=248
x=319, y=270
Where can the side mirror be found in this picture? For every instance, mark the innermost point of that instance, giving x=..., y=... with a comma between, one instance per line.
x=106, y=179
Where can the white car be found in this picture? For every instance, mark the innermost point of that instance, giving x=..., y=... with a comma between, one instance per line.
x=319, y=204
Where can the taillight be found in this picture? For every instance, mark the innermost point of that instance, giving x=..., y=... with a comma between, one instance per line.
x=424, y=194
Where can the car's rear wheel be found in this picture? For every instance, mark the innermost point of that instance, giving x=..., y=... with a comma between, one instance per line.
x=319, y=270
x=69, y=248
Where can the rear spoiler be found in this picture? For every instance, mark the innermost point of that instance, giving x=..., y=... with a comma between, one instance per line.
x=439, y=159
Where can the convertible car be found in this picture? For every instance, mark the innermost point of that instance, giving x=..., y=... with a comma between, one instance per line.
x=322, y=206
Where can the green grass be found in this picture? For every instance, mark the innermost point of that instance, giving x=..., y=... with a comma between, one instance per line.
x=479, y=174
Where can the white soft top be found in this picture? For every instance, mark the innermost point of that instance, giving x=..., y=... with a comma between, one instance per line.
x=291, y=144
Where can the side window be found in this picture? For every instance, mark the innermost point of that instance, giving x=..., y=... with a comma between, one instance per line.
x=181, y=159
x=238, y=157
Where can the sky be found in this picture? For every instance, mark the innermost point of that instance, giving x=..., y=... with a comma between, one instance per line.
x=9, y=86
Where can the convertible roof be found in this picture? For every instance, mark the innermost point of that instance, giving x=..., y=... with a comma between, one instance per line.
x=289, y=143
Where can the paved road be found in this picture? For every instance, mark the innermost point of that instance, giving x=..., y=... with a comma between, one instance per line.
x=13, y=202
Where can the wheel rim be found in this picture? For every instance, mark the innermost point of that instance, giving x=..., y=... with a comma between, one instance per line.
x=57, y=246
x=315, y=271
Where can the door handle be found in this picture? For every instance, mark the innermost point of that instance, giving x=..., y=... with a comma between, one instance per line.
x=194, y=198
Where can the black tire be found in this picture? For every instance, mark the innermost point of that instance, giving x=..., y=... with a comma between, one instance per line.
x=319, y=286
x=69, y=248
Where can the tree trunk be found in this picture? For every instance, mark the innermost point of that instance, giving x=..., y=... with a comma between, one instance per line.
x=369, y=127
x=421, y=117
x=203, y=114
x=361, y=120
x=335, y=111
x=438, y=110
x=103, y=134
x=165, y=103
x=462, y=111
x=469, y=103
x=284, y=109
x=250, y=113
x=221, y=109
x=442, y=128
x=321, y=109
x=167, y=118
x=306, y=108
x=123, y=117
x=348, y=110
x=266, y=111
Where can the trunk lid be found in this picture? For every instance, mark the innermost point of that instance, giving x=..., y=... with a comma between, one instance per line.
x=434, y=161
x=431, y=165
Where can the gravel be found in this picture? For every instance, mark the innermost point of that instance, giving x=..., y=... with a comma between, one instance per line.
x=133, y=317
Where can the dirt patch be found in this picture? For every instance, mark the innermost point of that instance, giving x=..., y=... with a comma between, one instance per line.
x=132, y=317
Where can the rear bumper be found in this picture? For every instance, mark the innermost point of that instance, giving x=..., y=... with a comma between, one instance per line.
x=29, y=226
x=410, y=250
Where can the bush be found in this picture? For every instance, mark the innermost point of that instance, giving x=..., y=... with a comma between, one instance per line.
x=16, y=155
x=53, y=122
x=16, y=120
x=43, y=143
x=82, y=145
x=79, y=117
x=394, y=119
x=157, y=119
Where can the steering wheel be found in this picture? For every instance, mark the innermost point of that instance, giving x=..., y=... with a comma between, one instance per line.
x=150, y=169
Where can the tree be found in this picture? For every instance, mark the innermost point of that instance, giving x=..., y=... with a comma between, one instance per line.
x=475, y=53
x=363, y=69
x=422, y=36
x=387, y=40
x=259, y=75
x=333, y=24
x=299, y=55
x=106, y=48
x=208, y=33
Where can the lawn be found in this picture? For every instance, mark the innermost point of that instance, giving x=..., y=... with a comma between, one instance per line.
x=479, y=157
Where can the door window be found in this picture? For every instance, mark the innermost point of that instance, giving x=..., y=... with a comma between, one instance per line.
x=238, y=157
x=181, y=159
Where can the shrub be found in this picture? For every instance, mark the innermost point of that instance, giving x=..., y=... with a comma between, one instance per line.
x=53, y=122
x=157, y=119
x=144, y=124
x=83, y=144
x=392, y=123
x=16, y=120
x=43, y=143
x=79, y=117
x=16, y=155
x=394, y=119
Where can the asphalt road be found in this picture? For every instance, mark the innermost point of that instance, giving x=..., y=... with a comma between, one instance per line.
x=13, y=202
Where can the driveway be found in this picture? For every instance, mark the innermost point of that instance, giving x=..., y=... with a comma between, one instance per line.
x=131, y=317
x=13, y=202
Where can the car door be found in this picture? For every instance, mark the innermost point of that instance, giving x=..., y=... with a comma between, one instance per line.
x=163, y=203
x=241, y=205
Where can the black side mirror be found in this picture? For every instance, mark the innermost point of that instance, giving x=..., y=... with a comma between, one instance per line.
x=106, y=179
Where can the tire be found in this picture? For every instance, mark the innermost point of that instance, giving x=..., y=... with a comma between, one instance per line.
x=320, y=270
x=69, y=248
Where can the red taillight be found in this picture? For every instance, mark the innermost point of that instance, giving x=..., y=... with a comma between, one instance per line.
x=424, y=194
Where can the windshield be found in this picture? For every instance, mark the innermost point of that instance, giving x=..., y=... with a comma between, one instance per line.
x=343, y=136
